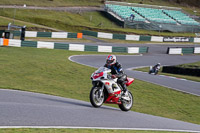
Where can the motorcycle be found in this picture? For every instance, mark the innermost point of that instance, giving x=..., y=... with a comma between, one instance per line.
x=106, y=90
x=154, y=70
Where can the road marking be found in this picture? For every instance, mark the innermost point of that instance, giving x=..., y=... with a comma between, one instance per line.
x=69, y=58
x=104, y=128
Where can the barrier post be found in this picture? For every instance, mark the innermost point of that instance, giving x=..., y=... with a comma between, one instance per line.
x=5, y=42
x=80, y=35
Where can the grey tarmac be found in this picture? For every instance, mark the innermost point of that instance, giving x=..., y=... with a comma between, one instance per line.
x=33, y=110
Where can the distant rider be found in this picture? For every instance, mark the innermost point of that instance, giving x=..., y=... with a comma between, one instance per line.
x=116, y=71
x=157, y=66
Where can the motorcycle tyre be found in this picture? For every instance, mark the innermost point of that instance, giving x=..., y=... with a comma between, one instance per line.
x=94, y=104
x=123, y=107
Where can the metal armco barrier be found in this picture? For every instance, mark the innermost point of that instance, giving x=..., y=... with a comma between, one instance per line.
x=50, y=34
x=72, y=47
x=140, y=37
x=183, y=50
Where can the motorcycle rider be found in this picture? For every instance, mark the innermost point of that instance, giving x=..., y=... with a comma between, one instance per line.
x=157, y=66
x=154, y=69
x=117, y=72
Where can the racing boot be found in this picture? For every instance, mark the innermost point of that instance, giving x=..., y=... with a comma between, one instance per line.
x=125, y=95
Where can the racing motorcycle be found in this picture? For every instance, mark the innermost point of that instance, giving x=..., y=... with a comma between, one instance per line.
x=154, y=70
x=106, y=90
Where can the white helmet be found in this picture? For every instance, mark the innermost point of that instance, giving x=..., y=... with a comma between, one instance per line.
x=111, y=60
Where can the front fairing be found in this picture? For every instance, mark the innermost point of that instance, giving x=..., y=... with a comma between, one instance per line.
x=103, y=69
x=100, y=74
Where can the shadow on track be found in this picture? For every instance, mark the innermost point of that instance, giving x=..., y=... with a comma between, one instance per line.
x=74, y=102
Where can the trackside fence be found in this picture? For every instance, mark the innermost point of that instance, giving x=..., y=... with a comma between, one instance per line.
x=72, y=47
x=183, y=50
x=50, y=34
x=181, y=70
x=140, y=37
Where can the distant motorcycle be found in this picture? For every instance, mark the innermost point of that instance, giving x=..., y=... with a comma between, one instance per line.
x=106, y=90
x=154, y=70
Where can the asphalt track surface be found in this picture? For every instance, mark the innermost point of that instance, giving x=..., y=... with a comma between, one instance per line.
x=33, y=110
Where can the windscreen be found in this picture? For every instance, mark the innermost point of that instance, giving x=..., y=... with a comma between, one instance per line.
x=102, y=69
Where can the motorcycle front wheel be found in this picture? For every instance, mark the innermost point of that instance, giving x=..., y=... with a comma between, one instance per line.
x=96, y=99
x=127, y=105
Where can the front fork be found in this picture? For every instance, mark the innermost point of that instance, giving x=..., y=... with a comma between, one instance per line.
x=100, y=91
x=100, y=88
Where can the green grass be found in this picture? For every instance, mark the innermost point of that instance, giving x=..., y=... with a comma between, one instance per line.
x=71, y=22
x=53, y=3
x=6, y=21
x=195, y=65
x=50, y=72
x=193, y=78
x=74, y=131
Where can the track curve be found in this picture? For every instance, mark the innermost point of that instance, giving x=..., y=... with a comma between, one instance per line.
x=27, y=109
x=131, y=61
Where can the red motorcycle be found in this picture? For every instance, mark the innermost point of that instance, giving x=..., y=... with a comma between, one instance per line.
x=106, y=90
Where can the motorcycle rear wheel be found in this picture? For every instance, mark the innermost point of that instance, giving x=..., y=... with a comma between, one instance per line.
x=126, y=106
x=95, y=100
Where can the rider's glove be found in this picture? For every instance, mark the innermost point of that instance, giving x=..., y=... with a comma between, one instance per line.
x=113, y=76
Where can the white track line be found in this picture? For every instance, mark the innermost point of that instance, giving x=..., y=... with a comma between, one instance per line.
x=69, y=58
x=104, y=128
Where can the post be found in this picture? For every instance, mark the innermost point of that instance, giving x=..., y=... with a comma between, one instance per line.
x=23, y=29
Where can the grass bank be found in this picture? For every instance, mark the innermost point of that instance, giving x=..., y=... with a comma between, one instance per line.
x=74, y=40
x=52, y=3
x=190, y=65
x=4, y=21
x=50, y=72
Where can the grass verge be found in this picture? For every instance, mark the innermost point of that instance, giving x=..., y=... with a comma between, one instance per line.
x=193, y=78
x=53, y=3
x=4, y=21
x=50, y=72
x=47, y=39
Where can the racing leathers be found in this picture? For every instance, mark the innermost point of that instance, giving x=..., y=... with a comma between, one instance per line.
x=116, y=70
